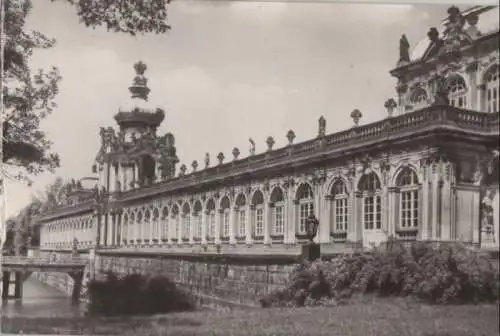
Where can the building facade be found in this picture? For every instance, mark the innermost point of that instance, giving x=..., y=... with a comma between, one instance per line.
x=428, y=171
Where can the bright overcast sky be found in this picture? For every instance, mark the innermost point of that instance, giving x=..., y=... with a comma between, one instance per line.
x=227, y=71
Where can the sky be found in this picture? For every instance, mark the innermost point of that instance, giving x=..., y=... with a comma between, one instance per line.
x=227, y=71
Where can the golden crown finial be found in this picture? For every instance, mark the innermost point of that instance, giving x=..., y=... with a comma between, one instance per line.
x=140, y=68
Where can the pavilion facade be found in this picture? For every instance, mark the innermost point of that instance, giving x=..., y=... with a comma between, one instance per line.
x=428, y=171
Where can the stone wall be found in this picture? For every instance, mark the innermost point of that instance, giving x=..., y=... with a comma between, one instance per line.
x=218, y=280
x=228, y=283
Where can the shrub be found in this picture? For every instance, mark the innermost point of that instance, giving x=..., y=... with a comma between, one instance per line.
x=450, y=273
x=135, y=294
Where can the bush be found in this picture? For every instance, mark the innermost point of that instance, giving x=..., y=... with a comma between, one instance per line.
x=444, y=274
x=135, y=294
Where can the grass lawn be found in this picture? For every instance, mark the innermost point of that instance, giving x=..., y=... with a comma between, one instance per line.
x=366, y=317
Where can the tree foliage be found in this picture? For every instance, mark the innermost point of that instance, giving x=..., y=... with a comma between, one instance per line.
x=29, y=94
x=21, y=228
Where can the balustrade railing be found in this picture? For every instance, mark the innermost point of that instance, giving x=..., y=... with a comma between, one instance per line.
x=21, y=260
x=410, y=122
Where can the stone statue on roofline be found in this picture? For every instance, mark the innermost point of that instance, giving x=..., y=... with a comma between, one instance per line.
x=252, y=146
x=404, y=50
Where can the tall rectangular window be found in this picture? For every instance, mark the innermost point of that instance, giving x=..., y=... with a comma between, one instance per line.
x=242, y=223
x=306, y=209
x=259, y=222
x=372, y=212
x=409, y=209
x=279, y=220
x=211, y=227
x=341, y=214
x=225, y=224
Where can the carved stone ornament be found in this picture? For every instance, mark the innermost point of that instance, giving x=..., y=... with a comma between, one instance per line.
x=270, y=143
x=182, y=170
x=252, y=146
x=290, y=136
x=356, y=116
x=404, y=50
x=321, y=126
x=236, y=153
x=207, y=160
x=220, y=157
x=390, y=105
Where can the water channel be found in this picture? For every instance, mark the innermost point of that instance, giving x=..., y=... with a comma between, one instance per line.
x=40, y=300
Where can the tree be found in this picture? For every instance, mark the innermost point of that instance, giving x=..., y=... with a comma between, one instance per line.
x=28, y=97
x=21, y=227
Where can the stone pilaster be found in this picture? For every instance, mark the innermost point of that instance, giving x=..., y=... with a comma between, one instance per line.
x=267, y=221
x=219, y=220
x=233, y=222
x=391, y=211
x=248, y=224
x=204, y=226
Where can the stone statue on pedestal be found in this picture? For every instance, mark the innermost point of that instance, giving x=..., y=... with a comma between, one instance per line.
x=311, y=250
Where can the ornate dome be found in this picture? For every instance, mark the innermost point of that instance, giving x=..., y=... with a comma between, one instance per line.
x=487, y=22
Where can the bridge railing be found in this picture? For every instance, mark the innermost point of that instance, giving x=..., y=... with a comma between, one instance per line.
x=21, y=260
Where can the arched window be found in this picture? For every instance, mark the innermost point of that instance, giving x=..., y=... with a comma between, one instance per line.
x=492, y=85
x=369, y=186
x=165, y=224
x=242, y=215
x=186, y=221
x=340, y=207
x=305, y=203
x=418, y=97
x=197, y=220
x=457, y=92
x=225, y=209
x=258, y=214
x=131, y=227
x=174, y=233
x=211, y=222
x=139, y=226
x=407, y=182
x=278, y=211
x=147, y=225
x=156, y=224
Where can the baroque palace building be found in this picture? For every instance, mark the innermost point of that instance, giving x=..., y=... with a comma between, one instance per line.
x=428, y=171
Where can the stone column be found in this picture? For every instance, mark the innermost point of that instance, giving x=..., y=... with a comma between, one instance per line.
x=294, y=223
x=387, y=210
x=329, y=215
x=286, y=219
x=473, y=95
x=401, y=90
x=446, y=225
x=391, y=212
x=324, y=219
x=204, y=226
x=267, y=221
x=355, y=234
x=112, y=177
x=425, y=197
x=193, y=225
x=136, y=174
x=119, y=231
x=481, y=97
x=219, y=222
x=248, y=225
x=233, y=222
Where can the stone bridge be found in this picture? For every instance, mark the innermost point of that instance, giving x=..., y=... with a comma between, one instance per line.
x=22, y=267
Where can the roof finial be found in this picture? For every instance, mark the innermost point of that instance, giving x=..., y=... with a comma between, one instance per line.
x=139, y=88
